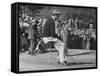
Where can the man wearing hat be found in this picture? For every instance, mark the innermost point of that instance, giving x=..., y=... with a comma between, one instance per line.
x=49, y=35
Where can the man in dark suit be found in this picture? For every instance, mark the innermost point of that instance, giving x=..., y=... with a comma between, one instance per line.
x=49, y=35
x=33, y=35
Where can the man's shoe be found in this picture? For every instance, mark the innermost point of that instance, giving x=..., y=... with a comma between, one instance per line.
x=36, y=51
x=31, y=53
x=58, y=62
x=64, y=63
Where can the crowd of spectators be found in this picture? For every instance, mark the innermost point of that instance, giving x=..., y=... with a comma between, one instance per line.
x=78, y=38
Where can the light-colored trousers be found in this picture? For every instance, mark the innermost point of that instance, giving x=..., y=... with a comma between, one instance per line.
x=59, y=45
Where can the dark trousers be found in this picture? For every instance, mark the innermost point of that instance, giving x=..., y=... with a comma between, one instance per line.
x=33, y=44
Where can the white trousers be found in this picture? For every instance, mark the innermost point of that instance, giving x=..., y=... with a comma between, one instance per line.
x=59, y=45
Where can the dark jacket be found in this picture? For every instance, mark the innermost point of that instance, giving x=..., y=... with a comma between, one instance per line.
x=32, y=31
x=49, y=28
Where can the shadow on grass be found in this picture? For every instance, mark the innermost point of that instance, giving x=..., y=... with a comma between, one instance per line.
x=81, y=54
x=79, y=63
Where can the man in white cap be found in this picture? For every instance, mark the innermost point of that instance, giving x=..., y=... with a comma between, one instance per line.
x=49, y=35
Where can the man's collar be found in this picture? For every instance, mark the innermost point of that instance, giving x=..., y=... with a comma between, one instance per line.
x=52, y=18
